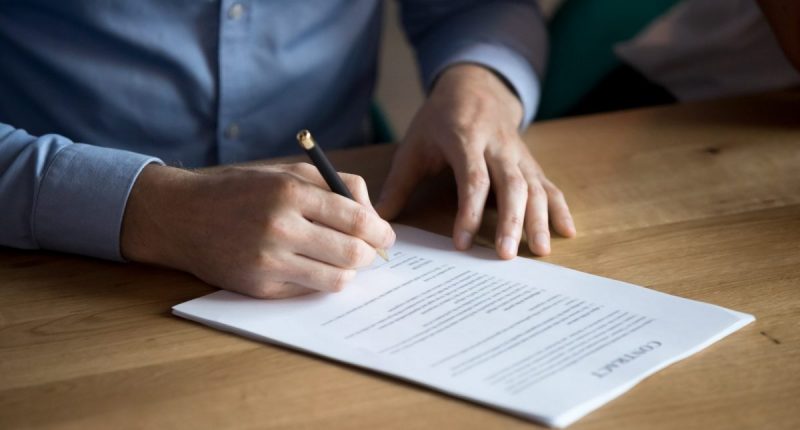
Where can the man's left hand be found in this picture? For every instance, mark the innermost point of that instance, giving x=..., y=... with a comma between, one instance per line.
x=470, y=121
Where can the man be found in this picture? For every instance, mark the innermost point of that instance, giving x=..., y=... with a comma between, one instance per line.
x=192, y=83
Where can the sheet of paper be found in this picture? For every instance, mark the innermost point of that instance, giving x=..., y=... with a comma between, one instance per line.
x=534, y=339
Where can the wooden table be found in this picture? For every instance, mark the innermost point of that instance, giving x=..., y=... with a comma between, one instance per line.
x=701, y=200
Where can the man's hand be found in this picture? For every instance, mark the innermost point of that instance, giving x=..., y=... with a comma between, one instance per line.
x=470, y=122
x=267, y=231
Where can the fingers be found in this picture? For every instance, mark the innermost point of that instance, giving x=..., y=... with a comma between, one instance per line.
x=285, y=274
x=314, y=274
x=560, y=216
x=341, y=213
x=511, y=189
x=545, y=202
x=278, y=290
x=273, y=248
x=472, y=179
x=354, y=183
x=310, y=257
x=536, y=218
x=292, y=275
x=358, y=187
x=403, y=177
x=332, y=247
x=346, y=216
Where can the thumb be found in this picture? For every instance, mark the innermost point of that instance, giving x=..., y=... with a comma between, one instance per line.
x=404, y=175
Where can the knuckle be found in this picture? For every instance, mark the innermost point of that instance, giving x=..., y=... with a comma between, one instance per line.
x=510, y=135
x=537, y=224
x=268, y=263
x=556, y=193
x=354, y=253
x=515, y=220
x=536, y=191
x=264, y=291
x=274, y=290
x=515, y=183
x=355, y=182
x=478, y=179
x=469, y=213
x=359, y=221
x=358, y=186
x=340, y=280
x=277, y=227
x=466, y=132
x=286, y=186
x=302, y=168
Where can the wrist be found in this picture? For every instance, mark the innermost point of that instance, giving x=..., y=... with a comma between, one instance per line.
x=479, y=84
x=153, y=205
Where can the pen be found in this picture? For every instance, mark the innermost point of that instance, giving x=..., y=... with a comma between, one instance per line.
x=325, y=168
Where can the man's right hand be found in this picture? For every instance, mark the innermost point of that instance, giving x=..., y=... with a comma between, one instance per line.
x=265, y=231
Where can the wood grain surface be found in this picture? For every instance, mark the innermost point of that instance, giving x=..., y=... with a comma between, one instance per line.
x=700, y=200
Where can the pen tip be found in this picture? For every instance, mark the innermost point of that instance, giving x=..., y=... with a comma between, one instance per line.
x=304, y=139
x=383, y=254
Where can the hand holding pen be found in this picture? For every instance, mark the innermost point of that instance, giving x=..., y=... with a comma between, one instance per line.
x=268, y=231
x=328, y=172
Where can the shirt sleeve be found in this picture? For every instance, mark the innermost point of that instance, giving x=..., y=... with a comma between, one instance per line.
x=64, y=196
x=507, y=36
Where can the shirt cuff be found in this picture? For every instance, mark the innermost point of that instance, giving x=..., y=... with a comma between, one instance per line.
x=81, y=199
x=511, y=66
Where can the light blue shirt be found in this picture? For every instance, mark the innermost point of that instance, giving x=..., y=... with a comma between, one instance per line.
x=92, y=91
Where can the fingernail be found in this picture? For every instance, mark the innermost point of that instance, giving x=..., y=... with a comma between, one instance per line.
x=463, y=240
x=542, y=241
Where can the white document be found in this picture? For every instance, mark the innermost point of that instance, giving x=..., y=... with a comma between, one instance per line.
x=534, y=339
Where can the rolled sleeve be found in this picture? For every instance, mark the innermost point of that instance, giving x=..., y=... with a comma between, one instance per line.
x=81, y=199
x=507, y=37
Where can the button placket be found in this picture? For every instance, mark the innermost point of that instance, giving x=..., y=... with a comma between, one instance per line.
x=233, y=54
x=235, y=11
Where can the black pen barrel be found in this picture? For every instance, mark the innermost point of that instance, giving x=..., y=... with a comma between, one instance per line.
x=328, y=172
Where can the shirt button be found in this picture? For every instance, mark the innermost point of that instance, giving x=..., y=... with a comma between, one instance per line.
x=236, y=11
x=232, y=132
